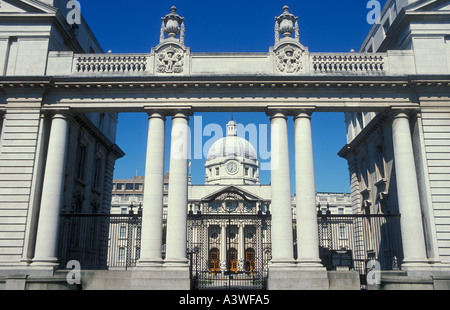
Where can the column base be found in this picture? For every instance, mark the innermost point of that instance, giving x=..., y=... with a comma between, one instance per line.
x=415, y=267
x=282, y=263
x=310, y=264
x=176, y=263
x=145, y=263
x=46, y=263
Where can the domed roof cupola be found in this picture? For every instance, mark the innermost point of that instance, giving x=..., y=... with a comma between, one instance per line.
x=232, y=146
x=232, y=160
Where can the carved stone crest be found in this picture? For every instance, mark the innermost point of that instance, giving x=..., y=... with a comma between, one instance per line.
x=170, y=60
x=289, y=59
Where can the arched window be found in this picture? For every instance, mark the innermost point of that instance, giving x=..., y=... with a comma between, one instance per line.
x=214, y=260
x=232, y=262
x=250, y=260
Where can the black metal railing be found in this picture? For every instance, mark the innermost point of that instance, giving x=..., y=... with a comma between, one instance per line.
x=100, y=241
x=352, y=240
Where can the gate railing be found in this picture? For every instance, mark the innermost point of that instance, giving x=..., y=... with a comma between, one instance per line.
x=352, y=240
x=100, y=241
x=207, y=273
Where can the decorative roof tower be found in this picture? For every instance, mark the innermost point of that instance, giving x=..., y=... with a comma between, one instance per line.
x=232, y=160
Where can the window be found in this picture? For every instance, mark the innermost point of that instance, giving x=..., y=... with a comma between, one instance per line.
x=364, y=176
x=80, y=163
x=217, y=171
x=340, y=210
x=101, y=121
x=246, y=171
x=325, y=232
x=138, y=252
x=138, y=186
x=129, y=186
x=380, y=162
x=121, y=254
x=360, y=120
x=123, y=211
x=97, y=173
x=120, y=186
x=386, y=26
x=341, y=231
x=123, y=232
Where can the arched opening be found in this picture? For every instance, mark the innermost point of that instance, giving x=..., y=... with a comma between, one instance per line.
x=214, y=260
x=232, y=260
x=250, y=260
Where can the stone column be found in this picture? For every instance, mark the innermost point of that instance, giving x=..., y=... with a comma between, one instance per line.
x=176, y=248
x=152, y=216
x=223, y=247
x=52, y=194
x=307, y=228
x=282, y=239
x=413, y=240
x=241, y=251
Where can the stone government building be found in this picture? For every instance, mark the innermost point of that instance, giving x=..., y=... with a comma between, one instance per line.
x=231, y=170
x=59, y=99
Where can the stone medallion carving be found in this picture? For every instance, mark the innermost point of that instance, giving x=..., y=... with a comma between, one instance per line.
x=170, y=60
x=289, y=59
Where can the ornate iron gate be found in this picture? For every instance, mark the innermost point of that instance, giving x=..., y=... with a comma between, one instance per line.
x=229, y=243
x=351, y=241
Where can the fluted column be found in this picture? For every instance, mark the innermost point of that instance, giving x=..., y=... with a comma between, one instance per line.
x=52, y=194
x=176, y=253
x=282, y=239
x=307, y=228
x=413, y=240
x=152, y=216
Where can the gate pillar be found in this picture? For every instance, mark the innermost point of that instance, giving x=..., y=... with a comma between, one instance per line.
x=307, y=228
x=176, y=251
x=413, y=239
x=52, y=194
x=152, y=217
x=282, y=235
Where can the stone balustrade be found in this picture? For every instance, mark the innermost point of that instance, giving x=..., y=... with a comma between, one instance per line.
x=110, y=63
x=311, y=64
x=348, y=63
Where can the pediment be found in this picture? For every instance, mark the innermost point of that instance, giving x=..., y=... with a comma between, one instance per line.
x=25, y=6
x=232, y=189
x=429, y=6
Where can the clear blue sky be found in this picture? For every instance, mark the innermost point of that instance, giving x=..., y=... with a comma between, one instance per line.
x=133, y=26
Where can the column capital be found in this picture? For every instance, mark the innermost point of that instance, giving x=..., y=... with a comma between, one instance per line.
x=401, y=113
x=303, y=113
x=61, y=115
x=181, y=113
x=277, y=113
x=156, y=114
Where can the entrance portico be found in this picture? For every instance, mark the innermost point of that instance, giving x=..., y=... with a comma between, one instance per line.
x=288, y=83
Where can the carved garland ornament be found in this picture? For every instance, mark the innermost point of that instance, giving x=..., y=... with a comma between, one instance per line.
x=289, y=59
x=170, y=60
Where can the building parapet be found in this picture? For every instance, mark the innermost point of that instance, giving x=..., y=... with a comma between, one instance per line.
x=314, y=64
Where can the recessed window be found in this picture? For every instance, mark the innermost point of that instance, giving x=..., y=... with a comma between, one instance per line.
x=380, y=162
x=81, y=161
